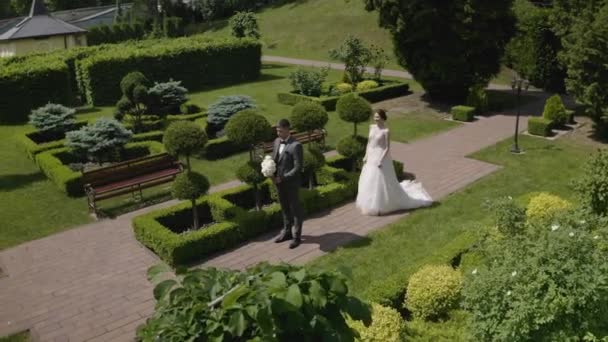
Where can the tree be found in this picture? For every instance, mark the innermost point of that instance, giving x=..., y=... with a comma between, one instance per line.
x=245, y=24
x=225, y=107
x=166, y=98
x=134, y=87
x=190, y=185
x=53, y=118
x=21, y=7
x=355, y=55
x=353, y=108
x=586, y=55
x=263, y=303
x=313, y=161
x=308, y=116
x=184, y=138
x=448, y=46
x=99, y=141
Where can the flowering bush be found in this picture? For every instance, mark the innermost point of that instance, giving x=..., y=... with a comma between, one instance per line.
x=544, y=207
x=433, y=291
x=508, y=216
x=592, y=187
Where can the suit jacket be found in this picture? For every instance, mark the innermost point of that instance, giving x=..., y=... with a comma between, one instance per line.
x=290, y=162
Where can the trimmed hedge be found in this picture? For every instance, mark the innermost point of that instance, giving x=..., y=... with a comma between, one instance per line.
x=233, y=224
x=344, y=163
x=51, y=163
x=539, y=126
x=196, y=61
x=463, y=113
x=372, y=95
x=221, y=148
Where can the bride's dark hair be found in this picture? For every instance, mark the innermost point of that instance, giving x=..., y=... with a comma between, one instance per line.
x=382, y=113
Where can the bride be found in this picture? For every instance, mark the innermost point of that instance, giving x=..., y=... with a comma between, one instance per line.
x=379, y=190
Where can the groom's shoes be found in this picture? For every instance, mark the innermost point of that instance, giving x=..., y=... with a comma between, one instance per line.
x=283, y=237
x=295, y=243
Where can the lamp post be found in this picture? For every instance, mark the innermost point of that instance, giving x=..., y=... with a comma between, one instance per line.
x=517, y=84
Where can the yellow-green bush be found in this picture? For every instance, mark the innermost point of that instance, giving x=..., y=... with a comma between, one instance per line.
x=367, y=85
x=544, y=206
x=344, y=88
x=387, y=326
x=433, y=291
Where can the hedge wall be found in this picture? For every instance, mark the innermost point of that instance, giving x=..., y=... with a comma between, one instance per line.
x=540, y=126
x=196, y=61
x=372, y=95
x=51, y=163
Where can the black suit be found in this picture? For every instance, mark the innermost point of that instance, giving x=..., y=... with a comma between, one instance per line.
x=289, y=169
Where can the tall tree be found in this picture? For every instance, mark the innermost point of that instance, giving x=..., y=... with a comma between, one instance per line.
x=448, y=46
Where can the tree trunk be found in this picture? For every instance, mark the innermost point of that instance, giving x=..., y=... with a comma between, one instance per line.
x=258, y=200
x=195, y=215
x=311, y=180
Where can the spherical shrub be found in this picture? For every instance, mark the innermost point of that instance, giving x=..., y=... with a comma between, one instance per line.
x=555, y=110
x=352, y=146
x=184, y=138
x=53, y=118
x=353, y=108
x=544, y=207
x=387, y=326
x=307, y=116
x=433, y=291
x=508, y=216
x=367, y=85
x=344, y=88
x=132, y=80
x=166, y=97
x=223, y=109
x=314, y=158
x=190, y=185
x=250, y=173
x=592, y=187
x=190, y=108
x=248, y=127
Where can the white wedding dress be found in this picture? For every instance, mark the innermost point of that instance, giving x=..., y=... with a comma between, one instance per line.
x=379, y=190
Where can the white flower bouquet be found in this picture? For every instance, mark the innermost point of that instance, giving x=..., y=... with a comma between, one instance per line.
x=269, y=167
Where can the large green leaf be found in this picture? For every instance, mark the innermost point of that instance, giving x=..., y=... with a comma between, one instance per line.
x=163, y=288
x=318, y=295
x=231, y=298
x=277, y=280
x=237, y=324
x=156, y=270
x=338, y=286
x=299, y=275
x=294, y=296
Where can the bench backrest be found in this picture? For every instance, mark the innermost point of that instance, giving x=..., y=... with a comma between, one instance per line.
x=302, y=137
x=129, y=169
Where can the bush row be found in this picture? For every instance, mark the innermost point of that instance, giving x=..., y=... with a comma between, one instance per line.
x=110, y=34
x=54, y=164
x=196, y=61
x=372, y=95
x=463, y=113
x=539, y=126
x=233, y=224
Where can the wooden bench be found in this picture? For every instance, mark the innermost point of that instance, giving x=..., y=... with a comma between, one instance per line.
x=302, y=137
x=129, y=177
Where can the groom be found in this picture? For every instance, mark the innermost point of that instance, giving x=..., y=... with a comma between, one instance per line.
x=288, y=155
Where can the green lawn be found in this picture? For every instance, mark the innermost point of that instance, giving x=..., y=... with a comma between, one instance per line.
x=31, y=207
x=21, y=337
x=411, y=242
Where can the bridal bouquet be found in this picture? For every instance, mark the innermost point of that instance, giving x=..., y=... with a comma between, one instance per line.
x=268, y=166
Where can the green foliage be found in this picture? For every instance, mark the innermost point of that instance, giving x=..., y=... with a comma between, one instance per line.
x=224, y=108
x=190, y=186
x=387, y=326
x=308, y=116
x=546, y=285
x=248, y=128
x=314, y=159
x=173, y=27
x=53, y=118
x=353, y=108
x=433, y=290
x=592, y=187
x=478, y=99
x=544, y=208
x=245, y=24
x=184, y=138
x=343, y=88
x=100, y=140
x=464, y=54
x=555, y=111
x=352, y=147
x=355, y=55
x=166, y=98
x=463, y=113
x=134, y=87
x=378, y=61
x=190, y=108
x=113, y=34
x=540, y=126
x=264, y=303
x=509, y=217
x=250, y=173
x=308, y=82
x=366, y=85
x=586, y=56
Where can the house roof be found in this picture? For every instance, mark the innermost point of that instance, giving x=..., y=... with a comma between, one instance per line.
x=39, y=24
x=86, y=13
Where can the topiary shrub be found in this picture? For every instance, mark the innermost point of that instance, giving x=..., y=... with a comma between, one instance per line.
x=54, y=119
x=478, y=99
x=166, y=98
x=190, y=186
x=433, y=290
x=134, y=87
x=244, y=24
x=100, y=141
x=184, y=138
x=308, y=82
x=353, y=147
x=251, y=173
x=539, y=126
x=366, y=85
x=544, y=207
x=387, y=326
x=190, y=108
x=353, y=108
x=248, y=128
x=555, y=111
x=592, y=187
x=223, y=109
x=463, y=113
x=308, y=116
x=314, y=159
x=343, y=88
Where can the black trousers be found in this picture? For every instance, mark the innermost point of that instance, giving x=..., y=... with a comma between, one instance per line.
x=293, y=214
